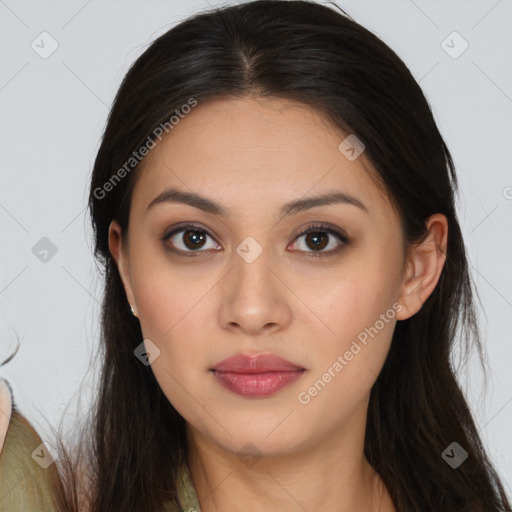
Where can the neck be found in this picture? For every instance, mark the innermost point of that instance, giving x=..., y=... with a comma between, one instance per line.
x=333, y=476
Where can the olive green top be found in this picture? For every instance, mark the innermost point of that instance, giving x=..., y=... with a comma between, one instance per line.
x=26, y=466
x=187, y=493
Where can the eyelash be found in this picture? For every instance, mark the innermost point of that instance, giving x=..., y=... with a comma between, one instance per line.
x=314, y=228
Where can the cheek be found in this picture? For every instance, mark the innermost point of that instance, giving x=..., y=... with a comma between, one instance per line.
x=174, y=321
x=347, y=367
x=169, y=297
x=357, y=310
x=354, y=300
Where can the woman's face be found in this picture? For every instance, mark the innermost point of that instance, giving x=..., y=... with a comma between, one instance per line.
x=244, y=280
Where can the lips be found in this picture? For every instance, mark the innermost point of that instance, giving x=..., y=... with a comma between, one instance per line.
x=256, y=364
x=261, y=375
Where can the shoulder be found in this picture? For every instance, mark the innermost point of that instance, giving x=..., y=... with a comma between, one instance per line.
x=5, y=410
x=25, y=472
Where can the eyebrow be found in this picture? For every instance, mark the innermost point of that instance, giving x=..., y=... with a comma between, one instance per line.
x=173, y=195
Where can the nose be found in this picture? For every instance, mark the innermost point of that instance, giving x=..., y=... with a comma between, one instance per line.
x=254, y=300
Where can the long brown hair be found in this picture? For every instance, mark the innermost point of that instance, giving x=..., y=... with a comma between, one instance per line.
x=316, y=55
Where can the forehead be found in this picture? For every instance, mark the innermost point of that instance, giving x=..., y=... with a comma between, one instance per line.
x=255, y=151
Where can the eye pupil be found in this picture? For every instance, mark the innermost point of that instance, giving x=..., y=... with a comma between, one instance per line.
x=195, y=236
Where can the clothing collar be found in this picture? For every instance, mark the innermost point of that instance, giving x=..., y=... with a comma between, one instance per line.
x=186, y=491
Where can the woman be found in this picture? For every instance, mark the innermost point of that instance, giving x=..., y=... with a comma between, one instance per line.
x=285, y=275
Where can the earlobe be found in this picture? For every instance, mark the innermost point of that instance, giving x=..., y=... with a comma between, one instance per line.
x=424, y=267
x=115, y=243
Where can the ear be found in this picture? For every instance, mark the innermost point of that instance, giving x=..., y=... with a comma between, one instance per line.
x=424, y=266
x=119, y=253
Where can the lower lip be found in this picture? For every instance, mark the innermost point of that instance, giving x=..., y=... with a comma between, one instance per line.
x=257, y=384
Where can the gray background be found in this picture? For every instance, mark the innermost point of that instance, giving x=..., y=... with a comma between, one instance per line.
x=53, y=111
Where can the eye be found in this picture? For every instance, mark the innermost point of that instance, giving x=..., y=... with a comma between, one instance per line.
x=190, y=239
x=317, y=235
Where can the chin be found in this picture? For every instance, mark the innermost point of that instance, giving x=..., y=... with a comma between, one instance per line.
x=260, y=439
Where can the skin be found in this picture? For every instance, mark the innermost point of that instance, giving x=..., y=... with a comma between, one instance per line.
x=251, y=156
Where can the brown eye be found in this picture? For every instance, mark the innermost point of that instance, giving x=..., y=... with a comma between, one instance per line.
x=320, y=236
x=188, y=239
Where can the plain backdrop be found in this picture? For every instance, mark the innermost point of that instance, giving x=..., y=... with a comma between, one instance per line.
x=53, y=111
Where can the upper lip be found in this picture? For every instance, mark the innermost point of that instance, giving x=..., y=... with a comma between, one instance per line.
x=259, y=363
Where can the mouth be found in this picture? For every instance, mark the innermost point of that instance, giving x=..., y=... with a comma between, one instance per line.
x=262, y=375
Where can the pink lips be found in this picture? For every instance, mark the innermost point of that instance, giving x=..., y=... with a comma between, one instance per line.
x=256, y=376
